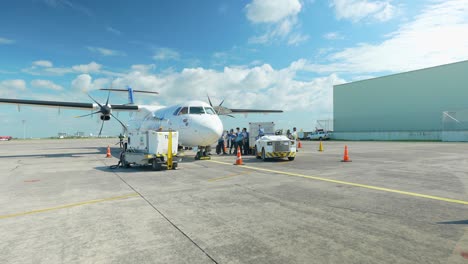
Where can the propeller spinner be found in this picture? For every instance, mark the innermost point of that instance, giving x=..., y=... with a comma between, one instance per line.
x=219, y=109
x=106, y=113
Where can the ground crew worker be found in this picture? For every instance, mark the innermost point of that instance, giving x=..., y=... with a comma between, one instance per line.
x=226, y=141
x=121, y=137
x=239, y=140
x=295, y=137
x=220, y=146
x=294, y=134
x=232, y=140
x=261, y=133
x=245, y=141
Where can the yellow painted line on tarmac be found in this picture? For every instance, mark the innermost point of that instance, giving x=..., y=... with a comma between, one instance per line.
x=226, y=177
x=70, y=205
x=352, y=184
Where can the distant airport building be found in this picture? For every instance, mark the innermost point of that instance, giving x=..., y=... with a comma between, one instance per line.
x=427, y=104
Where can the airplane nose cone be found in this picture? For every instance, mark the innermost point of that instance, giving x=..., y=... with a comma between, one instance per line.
x=214, y=132
x=218, y=130
x=207, y=130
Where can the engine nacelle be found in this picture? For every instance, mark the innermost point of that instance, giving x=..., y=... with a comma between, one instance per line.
x=105, y=117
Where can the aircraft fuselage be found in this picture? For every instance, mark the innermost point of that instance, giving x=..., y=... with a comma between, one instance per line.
x=196, y=121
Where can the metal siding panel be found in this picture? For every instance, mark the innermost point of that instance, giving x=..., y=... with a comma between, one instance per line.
x=411, y=101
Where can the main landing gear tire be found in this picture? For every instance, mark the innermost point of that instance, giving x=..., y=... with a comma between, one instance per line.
x=155, y=165
x=291, y=158
x=256, y=153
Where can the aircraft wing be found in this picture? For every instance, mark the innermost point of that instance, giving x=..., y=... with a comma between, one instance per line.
x=247, y=111
x=69, y=105
x=221, y=110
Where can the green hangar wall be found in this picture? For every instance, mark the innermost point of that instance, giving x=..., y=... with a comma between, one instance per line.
x=405, y=106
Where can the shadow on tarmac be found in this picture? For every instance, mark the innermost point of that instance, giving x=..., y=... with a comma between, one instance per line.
x=250, y=159
x=99, y=150
x=461, y=222
x=52, y=155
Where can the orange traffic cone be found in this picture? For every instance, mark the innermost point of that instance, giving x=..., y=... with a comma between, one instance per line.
x=345, y=156
x=239, y=157
x=299, y=144
x=108, y=155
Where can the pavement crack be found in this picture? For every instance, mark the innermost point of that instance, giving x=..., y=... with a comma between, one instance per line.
x=167, y=219
x=17, y=166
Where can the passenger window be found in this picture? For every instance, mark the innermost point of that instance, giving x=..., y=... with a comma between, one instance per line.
x=183, y=111
x=210, y=111
x=177, y=111
x=196, y=110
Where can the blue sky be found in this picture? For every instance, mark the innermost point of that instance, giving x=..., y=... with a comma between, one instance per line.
x=273, y=54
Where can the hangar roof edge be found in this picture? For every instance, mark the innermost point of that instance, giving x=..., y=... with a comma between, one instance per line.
x=399, y=73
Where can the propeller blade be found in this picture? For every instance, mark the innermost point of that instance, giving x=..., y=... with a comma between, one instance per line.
x=221, y=102
x=102, y=125
x=108, y=95
x=88, y=114
x=209, y=100
x=231, y=116
x=123, y=125
x=100, y=105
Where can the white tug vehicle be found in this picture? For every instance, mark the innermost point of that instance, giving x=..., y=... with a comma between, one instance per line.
x=269, y=146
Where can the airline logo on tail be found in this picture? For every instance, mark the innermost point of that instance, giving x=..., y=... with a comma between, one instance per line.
x=130, y=95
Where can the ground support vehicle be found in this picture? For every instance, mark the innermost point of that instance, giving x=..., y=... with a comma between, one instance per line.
x=152, y=148
x=319, y=135
x=267, y=128
x=275, y=146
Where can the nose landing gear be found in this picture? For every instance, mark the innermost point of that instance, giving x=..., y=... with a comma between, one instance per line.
x=203, y=153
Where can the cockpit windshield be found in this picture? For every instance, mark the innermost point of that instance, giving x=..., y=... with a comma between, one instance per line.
x=196, y=110
x=183, y=111
x=210, y=111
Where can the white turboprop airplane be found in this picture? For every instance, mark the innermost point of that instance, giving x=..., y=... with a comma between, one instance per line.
x=198, y=122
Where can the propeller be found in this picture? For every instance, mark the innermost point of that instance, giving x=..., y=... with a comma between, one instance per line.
x=105, y=111
x=219, y=109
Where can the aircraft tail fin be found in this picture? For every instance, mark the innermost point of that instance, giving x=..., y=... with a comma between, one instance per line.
x=130, y=92
x=130, y=95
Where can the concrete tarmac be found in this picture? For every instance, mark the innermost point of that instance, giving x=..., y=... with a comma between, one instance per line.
x=396, y=202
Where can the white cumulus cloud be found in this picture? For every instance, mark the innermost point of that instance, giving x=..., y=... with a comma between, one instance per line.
x=46, y=84
x=241, y=86
x=16, y=84
x=438, y=35
x=333, y=36
x=166, y=54
x=42, y=63
x=91, y=67
x=85, y=83
x=114, y=31
x=269, y=11
x=279, y=17
x=106, y=52
x=82, y=82
x=143, y=67
x=6, y=41
x=356, y=10
x=44, y=67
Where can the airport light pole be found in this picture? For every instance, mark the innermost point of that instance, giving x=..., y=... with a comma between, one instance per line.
x=24, y=128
